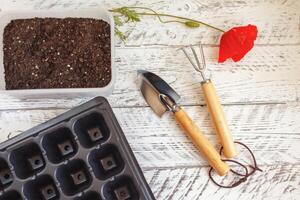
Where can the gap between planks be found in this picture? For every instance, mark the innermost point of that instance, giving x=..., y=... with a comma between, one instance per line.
x=83, y=100
x=275, y=182
x=271, y=131
x=151, y=46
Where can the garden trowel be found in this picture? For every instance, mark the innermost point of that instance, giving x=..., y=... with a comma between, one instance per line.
x=162, y=98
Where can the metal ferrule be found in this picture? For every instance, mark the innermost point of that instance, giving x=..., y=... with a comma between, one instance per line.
x=205, y=81
x=169, y=103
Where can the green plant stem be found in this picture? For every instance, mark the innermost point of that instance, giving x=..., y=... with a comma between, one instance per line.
x=183, y=18
x=155, y=14
x=166, y=15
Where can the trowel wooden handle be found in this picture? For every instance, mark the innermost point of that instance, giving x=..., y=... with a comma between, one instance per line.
x=218, y=117
x=201, y=142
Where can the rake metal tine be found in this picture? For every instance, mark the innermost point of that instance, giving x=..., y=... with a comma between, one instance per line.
x=196, y=58
x=190, y=59
x=202, y=56
x=200, y=65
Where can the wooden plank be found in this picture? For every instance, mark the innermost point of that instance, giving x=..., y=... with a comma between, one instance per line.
x=266, y=75
x=275, y=182
x=271, y=131
x=277, y=21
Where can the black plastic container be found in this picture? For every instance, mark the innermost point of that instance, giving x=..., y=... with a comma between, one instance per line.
x=81, y=155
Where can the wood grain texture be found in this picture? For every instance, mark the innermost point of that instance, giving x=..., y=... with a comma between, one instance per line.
x=277, y=20
x=218, y=119
x=261, y=95
x=268, y=74
x=201, y=143
x=272, y=132
x=276, y=182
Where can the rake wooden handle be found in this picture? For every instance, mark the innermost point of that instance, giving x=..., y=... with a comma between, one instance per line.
x=201, y=142
x=218, y=117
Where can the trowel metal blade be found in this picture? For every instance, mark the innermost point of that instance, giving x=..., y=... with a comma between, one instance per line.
x=152, y=87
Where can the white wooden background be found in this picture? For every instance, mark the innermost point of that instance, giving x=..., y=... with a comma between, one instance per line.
x=261, y=95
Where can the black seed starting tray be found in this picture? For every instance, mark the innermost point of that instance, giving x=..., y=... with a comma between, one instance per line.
x=81, y=155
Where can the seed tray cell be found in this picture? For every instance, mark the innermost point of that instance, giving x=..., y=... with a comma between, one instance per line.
x=80, y=155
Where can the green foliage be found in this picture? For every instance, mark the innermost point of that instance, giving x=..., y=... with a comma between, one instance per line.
x=130, y=14
x=118, y=21
x=120, y=34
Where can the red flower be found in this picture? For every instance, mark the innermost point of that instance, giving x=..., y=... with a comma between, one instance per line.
x=237, y=42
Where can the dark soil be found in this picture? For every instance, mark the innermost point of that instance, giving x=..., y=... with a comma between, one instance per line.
x=57, y=53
